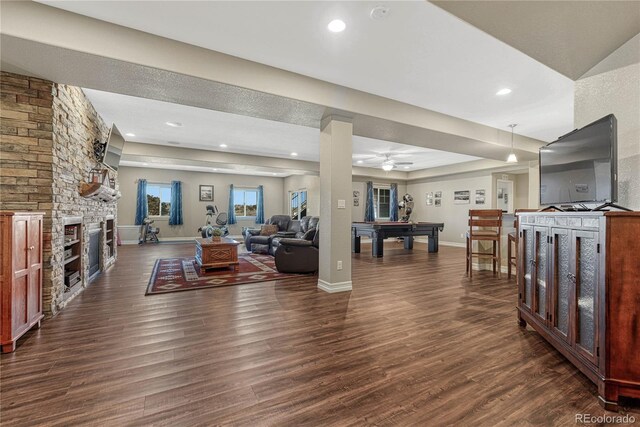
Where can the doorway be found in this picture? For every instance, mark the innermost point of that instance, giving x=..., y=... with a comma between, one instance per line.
x=505, y=195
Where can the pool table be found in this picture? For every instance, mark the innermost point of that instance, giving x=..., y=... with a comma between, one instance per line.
x=378, y=231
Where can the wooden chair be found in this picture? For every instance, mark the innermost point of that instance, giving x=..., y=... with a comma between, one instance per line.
x=484, y=225
x=512, y=254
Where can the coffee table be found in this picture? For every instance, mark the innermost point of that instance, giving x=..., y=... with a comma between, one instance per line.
x=217, y=253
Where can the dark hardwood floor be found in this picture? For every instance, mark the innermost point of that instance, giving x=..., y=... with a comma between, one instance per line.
x=414, y=343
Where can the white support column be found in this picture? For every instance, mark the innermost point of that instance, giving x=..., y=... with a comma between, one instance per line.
x=335, y=204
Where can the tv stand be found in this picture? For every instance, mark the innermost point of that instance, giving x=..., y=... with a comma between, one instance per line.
x=610, y=205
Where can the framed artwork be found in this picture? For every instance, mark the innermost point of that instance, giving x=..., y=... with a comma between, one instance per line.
x=438, y=203
x=480, y=197
x=356, y=194
x=356, y=202
x=206, y=193
x=438, y=194
x=461, y=197
x=429, y=197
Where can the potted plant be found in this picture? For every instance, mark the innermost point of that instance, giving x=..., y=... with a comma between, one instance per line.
x=216, y=234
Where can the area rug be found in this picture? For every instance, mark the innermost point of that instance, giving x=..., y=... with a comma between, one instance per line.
x=184, y=274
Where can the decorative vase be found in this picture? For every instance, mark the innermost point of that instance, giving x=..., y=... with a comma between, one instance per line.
x=216, y=238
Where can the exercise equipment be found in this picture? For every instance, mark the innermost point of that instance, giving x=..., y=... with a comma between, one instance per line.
x=220, y=221
x=148, y=233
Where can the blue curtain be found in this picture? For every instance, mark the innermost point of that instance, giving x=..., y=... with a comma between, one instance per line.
x=142, y=209
x=175, y=211
x=393, y=208
x=260, y=213
x=369, y=214
x=232, y=208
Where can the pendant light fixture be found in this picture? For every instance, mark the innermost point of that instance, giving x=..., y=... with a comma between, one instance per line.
x=512, y=156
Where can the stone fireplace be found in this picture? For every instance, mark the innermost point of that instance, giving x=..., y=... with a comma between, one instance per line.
x=47, y=137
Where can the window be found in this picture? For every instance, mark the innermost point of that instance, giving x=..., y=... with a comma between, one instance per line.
x=381, y=202
x=298, y=204
x=159, y=199
x=245, y=202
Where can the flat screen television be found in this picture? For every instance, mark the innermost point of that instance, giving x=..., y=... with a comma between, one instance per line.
x=581, y=167
x=113, y=151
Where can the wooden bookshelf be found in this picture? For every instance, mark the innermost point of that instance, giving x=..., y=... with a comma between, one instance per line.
x=72, y=256
x=110, y=237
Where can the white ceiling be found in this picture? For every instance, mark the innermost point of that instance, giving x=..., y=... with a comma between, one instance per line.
x=418, y=54
x=207, y=129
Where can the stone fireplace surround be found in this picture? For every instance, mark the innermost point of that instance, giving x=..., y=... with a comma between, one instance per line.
x=46, y=140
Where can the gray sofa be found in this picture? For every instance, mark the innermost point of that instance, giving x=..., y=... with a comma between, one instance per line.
x=287, y=228
x=299, y=255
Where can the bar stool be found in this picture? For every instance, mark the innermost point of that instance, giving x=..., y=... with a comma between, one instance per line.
x=512, y=255
x=484, y=225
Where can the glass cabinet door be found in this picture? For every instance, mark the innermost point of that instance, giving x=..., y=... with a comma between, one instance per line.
x=527, y=260
x=586, y=283
x=540, y=269
x=561, y=282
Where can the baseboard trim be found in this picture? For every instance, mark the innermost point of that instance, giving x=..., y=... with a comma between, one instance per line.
x=335, y=287
x=454, y=244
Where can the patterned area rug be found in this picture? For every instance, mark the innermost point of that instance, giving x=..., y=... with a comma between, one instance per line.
x=184, y=274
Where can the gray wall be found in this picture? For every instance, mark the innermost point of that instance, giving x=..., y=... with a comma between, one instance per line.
x=616, y=90
x=452, y=215
x=193, y=209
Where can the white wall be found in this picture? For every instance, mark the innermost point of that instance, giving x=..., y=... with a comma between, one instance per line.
x=455, y=217
x=311, y=183
x=522, y=191
x=615, y=89
x=194, y=210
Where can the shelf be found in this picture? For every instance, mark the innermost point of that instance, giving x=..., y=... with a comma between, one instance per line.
x=72, y=242
x=70, y=291
x=97, y=191
x=73, y=258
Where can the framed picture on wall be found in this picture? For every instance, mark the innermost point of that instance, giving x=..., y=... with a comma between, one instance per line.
x=438, y=202
x=461, y=197
x=206, y=193
x=356, y=194
x=480, y=197
x=438, y=194
x=356, y=202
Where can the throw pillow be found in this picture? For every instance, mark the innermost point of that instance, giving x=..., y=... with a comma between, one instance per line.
x=268, y=230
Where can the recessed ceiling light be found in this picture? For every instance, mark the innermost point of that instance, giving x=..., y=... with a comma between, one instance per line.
x=223, y=145
x=406, y=167
x=130, y=134
x=173, y=142
x=505, y=91
x=174, y=124
x=337, y=26
x=294, y=154
x=274, y=173
x=359, y=161
x=145, y=164
x=214, y=169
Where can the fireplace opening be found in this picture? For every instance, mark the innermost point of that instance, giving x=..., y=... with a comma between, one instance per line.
x=94, y=254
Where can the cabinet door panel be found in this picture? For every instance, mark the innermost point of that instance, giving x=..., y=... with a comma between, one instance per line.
x=35, y=225
x=527, y=259
x=20, y=244
x=587, y=259
x=561, y=283
x=540, y=274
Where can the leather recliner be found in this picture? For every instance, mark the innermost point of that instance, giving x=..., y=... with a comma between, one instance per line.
x=298, y=255
x=305, y=230
x=286, y=228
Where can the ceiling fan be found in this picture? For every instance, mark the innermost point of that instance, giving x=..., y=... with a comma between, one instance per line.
x=389, y=164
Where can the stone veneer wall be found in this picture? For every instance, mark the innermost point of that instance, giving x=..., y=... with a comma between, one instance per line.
x=76, y=124
x=46, y=149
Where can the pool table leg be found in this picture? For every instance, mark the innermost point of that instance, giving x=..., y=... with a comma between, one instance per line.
x=355, y=243
x=433, y=242
x=408, y=242
x=377, y=245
